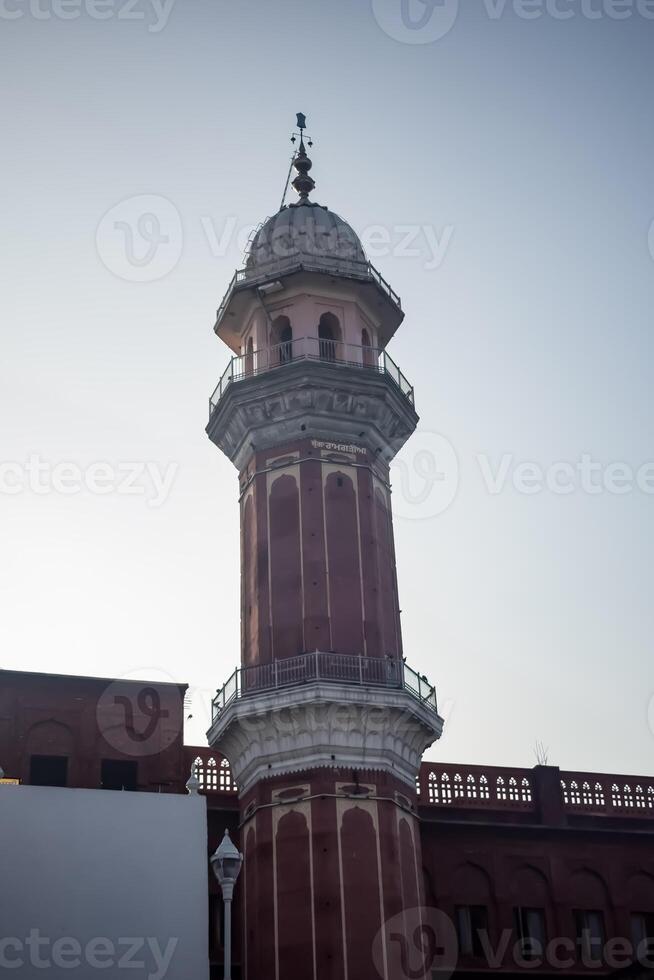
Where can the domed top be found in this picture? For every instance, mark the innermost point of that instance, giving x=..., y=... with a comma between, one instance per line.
x=304, y=231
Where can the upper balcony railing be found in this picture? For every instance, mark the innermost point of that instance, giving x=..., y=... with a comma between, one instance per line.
x=313, y=349
x=285, y=265
x=335, y=668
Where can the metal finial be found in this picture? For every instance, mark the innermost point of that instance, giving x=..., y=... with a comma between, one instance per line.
x=303, y=183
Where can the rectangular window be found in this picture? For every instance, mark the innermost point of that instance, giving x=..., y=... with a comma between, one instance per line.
x=119, y=774
x=531, y=931
x=590, y=934
x=471, y=921
x=49, y=770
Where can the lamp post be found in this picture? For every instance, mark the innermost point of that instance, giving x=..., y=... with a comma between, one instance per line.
x=226, y=864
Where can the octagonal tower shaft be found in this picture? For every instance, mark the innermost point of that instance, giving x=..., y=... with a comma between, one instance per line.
x=312, y=420
x=324, y=724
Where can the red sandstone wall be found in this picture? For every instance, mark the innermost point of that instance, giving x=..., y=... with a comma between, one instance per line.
x=317, y=555
x=324, y=869
x=87, y=720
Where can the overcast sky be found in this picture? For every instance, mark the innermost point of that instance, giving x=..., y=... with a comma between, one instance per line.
x=497, y=160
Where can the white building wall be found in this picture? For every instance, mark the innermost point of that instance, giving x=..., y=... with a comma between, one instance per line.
x=102, y=884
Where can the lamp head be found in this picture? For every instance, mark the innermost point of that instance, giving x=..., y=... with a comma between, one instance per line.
x=227, y=861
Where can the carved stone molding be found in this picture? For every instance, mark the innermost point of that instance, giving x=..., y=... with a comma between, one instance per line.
x=311, y=399
x=324, y=725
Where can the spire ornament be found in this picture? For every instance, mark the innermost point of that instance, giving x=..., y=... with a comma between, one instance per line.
x=303, y=183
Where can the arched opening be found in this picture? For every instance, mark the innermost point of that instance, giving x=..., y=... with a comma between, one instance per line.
x=472, y=895
x=329, y=335
x=367, y=349
x=249, y=356
x=281, y=340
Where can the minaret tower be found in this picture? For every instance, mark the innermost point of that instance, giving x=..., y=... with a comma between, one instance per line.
x=324, y=723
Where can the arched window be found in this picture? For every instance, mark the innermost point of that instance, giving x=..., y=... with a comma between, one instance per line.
x=564, y=792
x=586, y=795
x=433, y=787
x=628, y=798
x=640, y=798
x=249, y=356
x=226, y=783
x=286, y=345
x=198, y=771
x=599, y=795
x=525, y=791
x=281, y=341
x=513, y=789
x=501, y=789
x=329, y=332
x=483, y=788
x=368, y=353
x=458, y=786
x=650, y=797
x=446, y=789
x=616, y=799
x=211, y=780
x=575, y=798
x=471, y=787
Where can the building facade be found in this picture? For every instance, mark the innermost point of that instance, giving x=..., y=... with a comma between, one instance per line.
x=512, y=859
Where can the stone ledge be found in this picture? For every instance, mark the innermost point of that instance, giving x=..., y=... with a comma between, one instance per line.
x=323, y=725
x=311, y=399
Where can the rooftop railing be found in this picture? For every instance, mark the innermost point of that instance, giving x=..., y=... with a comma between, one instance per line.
x=334, y=668
x=313, y=349
x=297, y=262
x=495, y=788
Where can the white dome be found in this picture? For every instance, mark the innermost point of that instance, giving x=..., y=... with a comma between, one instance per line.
x=302, y=231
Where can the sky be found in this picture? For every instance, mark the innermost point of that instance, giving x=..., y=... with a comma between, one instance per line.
x=497, y=160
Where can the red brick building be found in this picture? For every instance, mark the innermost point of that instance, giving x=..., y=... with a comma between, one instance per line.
x=506, y=852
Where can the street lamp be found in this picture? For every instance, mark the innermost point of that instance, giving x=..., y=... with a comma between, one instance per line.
x=226, y=864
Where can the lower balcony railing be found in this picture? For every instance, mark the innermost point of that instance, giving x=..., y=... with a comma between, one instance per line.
x=335, y=668
x=314, y=349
